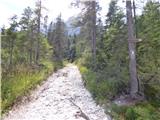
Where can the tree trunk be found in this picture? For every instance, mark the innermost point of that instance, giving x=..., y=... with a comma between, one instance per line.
x=30, y=51
x=94, y=33
x=132, y=51
x=135, y=19
x=38, y=37
x=11, y=53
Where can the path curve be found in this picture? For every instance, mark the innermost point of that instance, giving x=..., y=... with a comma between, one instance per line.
x=59, y=98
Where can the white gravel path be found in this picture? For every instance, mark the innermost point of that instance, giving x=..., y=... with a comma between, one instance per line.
x=52, y=100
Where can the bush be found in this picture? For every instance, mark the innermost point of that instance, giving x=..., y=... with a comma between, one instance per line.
x=146, y=111
x=130, y=114
x=99, y=86
x=104, y=88
x=118, y=109
x=152, y=93
x=58, y=65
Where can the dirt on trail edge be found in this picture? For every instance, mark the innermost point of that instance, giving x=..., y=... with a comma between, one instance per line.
x=62, y=97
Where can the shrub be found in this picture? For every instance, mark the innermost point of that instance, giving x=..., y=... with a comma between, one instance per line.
x=130, y=114
x=152, y=93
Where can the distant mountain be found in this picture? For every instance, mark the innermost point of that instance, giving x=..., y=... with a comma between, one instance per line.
x=72, y=29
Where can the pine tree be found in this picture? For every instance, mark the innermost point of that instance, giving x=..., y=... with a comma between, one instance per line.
x=26, y=23
x=148, y=26
x=58, y=36
x=11, y=32
x=38, y=21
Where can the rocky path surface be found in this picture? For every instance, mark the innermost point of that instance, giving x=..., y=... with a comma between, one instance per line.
x=62, y=97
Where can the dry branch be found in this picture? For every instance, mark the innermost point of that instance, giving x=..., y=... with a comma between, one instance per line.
x=79, y=113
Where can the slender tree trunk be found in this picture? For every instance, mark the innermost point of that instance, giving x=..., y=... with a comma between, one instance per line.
x=30, y=51
x=38, y=37
x=136, y=36
x=31, y=45
x=132, y=51
x=30, y=56
x=135, y=19
x=60, y=49
x=68, y=45
x=94, y=33
x=37, y=51
x=11, y=53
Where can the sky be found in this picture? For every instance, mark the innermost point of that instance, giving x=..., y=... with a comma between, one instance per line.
x=9, y=8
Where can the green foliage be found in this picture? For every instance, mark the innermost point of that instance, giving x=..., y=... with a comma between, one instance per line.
x=58, y=65
x=130, y=114
x=146, y=111
x=57, y=37
x=118, y=109
x=71, y=48
x=112, y=74
x=148, y=60
x=23, y=51
x=152, y=94
x=112, y=57
x=141, y=111
x=101, y=89
x=83, y=70
x=17, y=83
x=26, y=57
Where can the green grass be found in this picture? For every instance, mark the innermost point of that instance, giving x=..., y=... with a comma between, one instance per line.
x=140, y=111
x=102, y=90
x=98, y=89
x=17, y=83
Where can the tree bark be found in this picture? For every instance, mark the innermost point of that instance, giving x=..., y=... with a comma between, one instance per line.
x=94, y=33
x=11, y=52
x=38, y=38
x=31, y=45
x=132, y=51
x=135, y=19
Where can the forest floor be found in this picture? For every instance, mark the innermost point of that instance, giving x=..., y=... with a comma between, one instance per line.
x=61, y=97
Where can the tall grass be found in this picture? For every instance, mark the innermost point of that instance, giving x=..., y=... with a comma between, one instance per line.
x=18, y=82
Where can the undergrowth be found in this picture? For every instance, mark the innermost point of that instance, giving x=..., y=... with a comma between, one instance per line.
x=18, y=82
x=103, y=90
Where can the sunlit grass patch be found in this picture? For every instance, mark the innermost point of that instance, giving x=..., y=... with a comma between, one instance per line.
x=17, y=83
